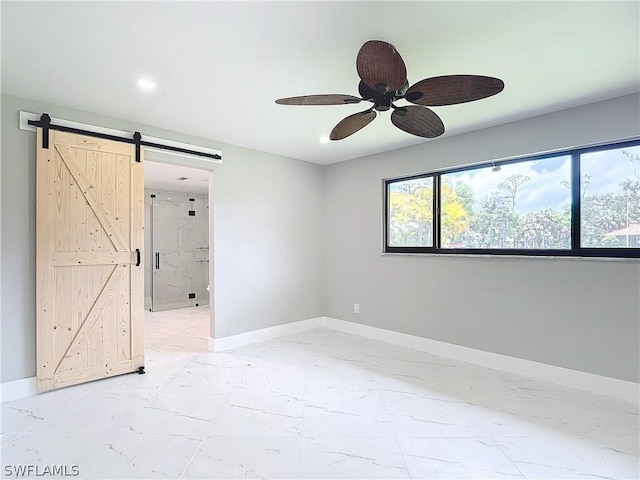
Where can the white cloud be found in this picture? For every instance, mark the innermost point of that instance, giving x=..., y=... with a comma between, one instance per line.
x=544, y=188
x=607, y=168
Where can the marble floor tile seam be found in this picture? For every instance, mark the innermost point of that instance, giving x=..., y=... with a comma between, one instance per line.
x=191, y=458
x=480, y=430
x=78, y=460
x=51, y=413
x=124, y=433
x=513, y=462
x=532, y=431
x=298, y=457
x=468, y=462
x=599, y=463
x=34, y=429
x=13, y=438
x=404, y=458
x=91, y=451
x=322, y=457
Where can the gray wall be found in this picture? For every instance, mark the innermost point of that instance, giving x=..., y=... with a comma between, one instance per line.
x=272, y=236
x=579, y=314
x=267, y=235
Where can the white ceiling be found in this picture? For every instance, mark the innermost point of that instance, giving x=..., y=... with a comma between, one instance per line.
x=163, y=176
x=220, y=65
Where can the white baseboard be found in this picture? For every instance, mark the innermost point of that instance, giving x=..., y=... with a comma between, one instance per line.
x=612, y=387
x=25, y=387
x=233, y=341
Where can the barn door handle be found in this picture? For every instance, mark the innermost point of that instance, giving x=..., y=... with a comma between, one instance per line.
x=157, y=260
x=137, y=257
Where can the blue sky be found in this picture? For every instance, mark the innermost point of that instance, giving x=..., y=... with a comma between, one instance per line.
x=607, y=169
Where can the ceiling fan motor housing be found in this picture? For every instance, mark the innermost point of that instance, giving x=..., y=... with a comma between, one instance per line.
x=383, y=103
x=380, y=96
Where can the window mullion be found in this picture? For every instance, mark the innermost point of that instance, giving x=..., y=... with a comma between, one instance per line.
x=436, y=211
x=576, y=188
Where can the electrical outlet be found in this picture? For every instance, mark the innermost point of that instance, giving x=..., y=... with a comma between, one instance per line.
x=356, y=308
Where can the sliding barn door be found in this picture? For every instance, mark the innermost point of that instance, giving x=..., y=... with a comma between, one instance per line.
x=89, y=276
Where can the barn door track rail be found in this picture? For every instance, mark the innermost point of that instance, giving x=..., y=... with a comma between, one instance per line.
x=46, y=125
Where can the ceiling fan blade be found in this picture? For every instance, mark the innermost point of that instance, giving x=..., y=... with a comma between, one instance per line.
x=380, y=65
x=418, y=121
x=328, y=99
x=453, y=89
x=351, y=124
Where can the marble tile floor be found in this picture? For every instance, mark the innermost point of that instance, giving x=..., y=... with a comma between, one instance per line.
x=322, y=404
x=182, y=329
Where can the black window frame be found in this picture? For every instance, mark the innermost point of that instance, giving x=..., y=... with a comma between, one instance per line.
x=575, y=251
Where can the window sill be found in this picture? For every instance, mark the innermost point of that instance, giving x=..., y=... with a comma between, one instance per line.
x=510, y=257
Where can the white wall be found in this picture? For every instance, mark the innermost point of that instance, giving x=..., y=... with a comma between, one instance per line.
x=267, y=235
x=579, y=314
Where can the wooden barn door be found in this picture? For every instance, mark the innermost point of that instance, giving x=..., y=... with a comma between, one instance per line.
x=89, y=277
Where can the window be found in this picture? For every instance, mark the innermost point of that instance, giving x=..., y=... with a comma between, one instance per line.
x=610, y=198
x=519, y=205
x=529, y=206
x=411, y=212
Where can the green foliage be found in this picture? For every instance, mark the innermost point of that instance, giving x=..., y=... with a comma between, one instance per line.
x=493, y=225
x=635, y=159
x=411, y=214
x=496, y=224
x=546, y=228
x=606, y=212
x=464, y=194
x=454, y=217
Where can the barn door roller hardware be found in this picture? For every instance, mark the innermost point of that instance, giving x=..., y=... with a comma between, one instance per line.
x=46, y=125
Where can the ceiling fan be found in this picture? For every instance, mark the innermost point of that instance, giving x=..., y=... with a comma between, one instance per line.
x=383, y=81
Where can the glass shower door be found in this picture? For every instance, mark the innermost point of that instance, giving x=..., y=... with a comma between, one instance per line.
x=172, y=260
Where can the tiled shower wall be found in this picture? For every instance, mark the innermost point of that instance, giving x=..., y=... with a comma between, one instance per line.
x=176, y=250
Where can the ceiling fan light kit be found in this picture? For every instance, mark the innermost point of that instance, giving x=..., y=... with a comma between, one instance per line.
x=383, y=81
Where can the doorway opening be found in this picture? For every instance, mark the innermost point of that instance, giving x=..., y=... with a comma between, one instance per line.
x=177, y=254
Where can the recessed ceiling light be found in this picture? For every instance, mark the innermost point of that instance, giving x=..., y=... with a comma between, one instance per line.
x=147, y=85
x=324, y=139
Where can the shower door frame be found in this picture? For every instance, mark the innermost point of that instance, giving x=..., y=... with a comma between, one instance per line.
x=196, y=203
